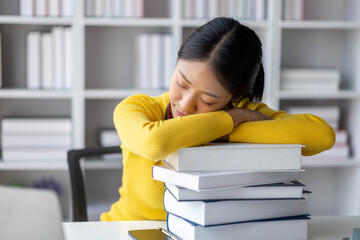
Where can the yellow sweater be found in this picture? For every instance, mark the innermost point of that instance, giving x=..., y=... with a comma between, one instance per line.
x=147, y=138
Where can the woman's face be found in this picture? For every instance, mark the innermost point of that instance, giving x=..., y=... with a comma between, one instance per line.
x=195, y=89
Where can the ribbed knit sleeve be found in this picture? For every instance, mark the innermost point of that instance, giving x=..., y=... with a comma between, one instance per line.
x=306, y=129
x=140, y=123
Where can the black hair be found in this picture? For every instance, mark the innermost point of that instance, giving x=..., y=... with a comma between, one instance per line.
x=234, y=53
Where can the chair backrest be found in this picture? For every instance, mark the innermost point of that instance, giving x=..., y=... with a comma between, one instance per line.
x=28, y=213
x=79, y=203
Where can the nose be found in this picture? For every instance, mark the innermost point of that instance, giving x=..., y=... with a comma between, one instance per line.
x=188, y=103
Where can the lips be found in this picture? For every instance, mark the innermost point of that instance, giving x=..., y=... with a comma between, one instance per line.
x=180, y=114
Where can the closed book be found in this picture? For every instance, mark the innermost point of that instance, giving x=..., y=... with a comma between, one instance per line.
x=276, y=229
x=306, y=76
x=213, y=8
x=67, y=8
x=292, y=189
x=40, y=7
x=0, y=63
x=90, y=8
x=221, y=179
x=207, y=213
x=34, y=154
x=33, y=140
x=47, y=80
x=54, y=8
x=108, y=138
x=143, y=60
x=33, y=60
x=236, y=156
x=68, y=58
x=156, y=61
x=31, y=125
x=59, y=56
x=27, y=7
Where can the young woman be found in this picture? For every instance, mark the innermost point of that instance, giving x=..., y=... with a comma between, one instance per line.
x=216, y=81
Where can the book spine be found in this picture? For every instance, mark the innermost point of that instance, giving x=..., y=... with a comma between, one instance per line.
x=47, y=63
x=40, y=7
x=68, y=57
x=0, y=63
x=27, y=7
x=213, y=8
x=90, y=8
x=33, y=60
x=58, y=44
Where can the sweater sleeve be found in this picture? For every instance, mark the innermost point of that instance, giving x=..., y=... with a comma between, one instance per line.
x=306, y=129
x=142, y=129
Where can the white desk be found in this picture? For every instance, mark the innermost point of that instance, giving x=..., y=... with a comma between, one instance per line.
x=319, y=228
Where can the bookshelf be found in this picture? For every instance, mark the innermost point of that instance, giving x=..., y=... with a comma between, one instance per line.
x=105, y=73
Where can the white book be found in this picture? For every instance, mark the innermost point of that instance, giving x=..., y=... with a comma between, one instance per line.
x=54, y=8
x=225, y=8
x=288, y=9
x=320, y=75
x=298, y=9
x=90, y=8
x=259, y=10
x=207, y=213
x=139, y=8
x=99, y=8
x=107, y=8
x=144, y=61
x=27, y=141
x=236, y=156
x=242, y=9
x=280, y=229
x=329, y=113
x=250, y=11
x=187, y=8
x=26, y=154
x=201, y=9
x=68, y=58
x=118, y=8
x=292, y=189
x=30, y=125
x=210, y=180
x=213, y=8
x=59, y=55
x=33, y=60
x=40, y=7
x=341, y=136
x=129, y=6
x=47, y=80
x=27, y=7
x=67, y=8
x=156, y=55
x=309, y=86
x=109, y=138
x=169, y=60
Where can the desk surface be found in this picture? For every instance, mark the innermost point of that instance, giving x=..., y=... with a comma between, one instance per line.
x=319, y=228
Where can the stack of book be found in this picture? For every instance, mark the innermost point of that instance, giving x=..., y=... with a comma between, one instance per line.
x=331, y=114
x=46, y=8
x=49, y=60
x=235, y=191
x=35, y=139
x=0, y=63
x=242, y=9
x=115, y=8
x=155, y=60
x=310, y=79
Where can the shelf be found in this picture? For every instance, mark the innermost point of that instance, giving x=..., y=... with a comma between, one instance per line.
x=343, y=94
x=120, y=93
x=34, y=94
x=199, y=22
x=129, y=22
x=319, y=25
x=21, y=20
x=314, y=162
x=33, y=166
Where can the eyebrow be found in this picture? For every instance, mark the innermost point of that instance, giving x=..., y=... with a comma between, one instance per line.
x=207, y=93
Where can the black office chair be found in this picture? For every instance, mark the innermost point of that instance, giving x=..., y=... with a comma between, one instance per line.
x=79, y=204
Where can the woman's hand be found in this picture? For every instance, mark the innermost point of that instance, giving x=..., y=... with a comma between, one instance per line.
x=240, y=115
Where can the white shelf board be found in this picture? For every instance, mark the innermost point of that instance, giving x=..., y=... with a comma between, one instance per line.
x=34, y=94
x=314, y=162
x=23, y=20
x=129, y=22
x=319, y=25
x=199, y=22
x=343, y=94
x=33, y=166
x=119, y=93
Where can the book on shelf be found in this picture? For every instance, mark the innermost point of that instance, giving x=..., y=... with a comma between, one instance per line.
x=276, y=229
x=330, y=113
x=207, y=213
x=26, y=8
x=36, y=140
x=199, y=181
x=0, y=63
x=297, y=79
x=236, y=156
x=108, y=137
x=115, y=8
x=292, y=189
x=293, y=9
x=33, y=60
x=39, y=125
x=47, y=60
x=34, y=154
x=68, y=59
